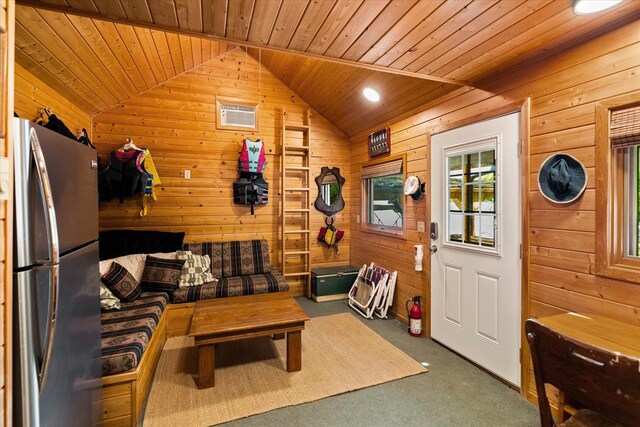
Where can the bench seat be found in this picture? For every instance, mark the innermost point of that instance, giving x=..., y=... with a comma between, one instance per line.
x=232, y=287
x=127, y=332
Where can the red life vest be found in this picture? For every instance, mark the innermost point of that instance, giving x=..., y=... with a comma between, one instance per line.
x=251, y=188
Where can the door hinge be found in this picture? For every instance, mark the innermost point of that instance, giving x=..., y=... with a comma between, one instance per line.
x=521, y=251
x=520, y=350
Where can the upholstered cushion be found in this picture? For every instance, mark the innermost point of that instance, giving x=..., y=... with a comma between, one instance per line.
x=213, y=249
x=233, y=286
x=196, y=269
x=161, y=275
x=127, y=332
x=588, y=418
x=241, y=258
x=123, y=285
x=116, y=243
x=108, y=300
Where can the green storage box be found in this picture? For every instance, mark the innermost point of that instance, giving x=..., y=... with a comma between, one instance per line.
x=332, y=283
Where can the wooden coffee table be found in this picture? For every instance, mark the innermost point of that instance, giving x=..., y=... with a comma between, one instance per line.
x=237, y=318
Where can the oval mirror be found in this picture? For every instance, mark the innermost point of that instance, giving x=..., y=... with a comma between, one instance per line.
x=329, y=198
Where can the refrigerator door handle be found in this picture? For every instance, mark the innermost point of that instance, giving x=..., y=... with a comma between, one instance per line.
x=54, y=254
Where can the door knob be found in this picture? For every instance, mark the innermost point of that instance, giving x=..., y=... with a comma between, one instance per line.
x=433, y=249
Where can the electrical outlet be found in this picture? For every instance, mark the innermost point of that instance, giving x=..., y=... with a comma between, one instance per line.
x=187, y=174
x=357, y=219
x=421, y=227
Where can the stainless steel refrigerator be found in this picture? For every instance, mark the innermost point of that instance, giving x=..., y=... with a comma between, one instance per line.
x=57, y=370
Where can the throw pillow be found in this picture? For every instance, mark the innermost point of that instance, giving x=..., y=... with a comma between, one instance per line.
x=123, y=285
x=196, y=270
x=213, y=249
x=133, y=263
x=108, y=300
x=161, y=275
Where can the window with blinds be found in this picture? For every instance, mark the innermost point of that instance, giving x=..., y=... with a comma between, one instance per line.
x=624, y=134
x=617, y=192
x=383, y=196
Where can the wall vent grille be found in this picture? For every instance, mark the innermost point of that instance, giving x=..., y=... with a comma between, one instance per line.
x=243, y=116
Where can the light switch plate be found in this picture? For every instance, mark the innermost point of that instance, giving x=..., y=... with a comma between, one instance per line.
x=421, y=225
x=5, y=179
x=187, y=174
x=357, y=219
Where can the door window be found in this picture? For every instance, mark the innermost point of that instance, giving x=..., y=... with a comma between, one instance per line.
x=471, y=205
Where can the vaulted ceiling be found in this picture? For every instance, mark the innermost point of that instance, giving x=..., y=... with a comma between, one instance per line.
x=101, y=52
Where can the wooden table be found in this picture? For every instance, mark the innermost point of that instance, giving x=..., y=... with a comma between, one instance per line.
x=598, y=331
x=237, y=318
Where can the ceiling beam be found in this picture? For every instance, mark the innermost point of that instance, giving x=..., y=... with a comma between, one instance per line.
x=150, y=25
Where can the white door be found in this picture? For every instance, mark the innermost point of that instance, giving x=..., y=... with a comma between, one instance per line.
x=475, y=272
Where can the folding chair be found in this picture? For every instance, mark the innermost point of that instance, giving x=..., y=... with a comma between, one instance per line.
x=387, y=296
x=367, y=290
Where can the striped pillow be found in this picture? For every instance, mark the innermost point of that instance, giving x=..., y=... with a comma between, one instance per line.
x=161, y=275
x=123, y=285
x=247, y=257
x=196, y=270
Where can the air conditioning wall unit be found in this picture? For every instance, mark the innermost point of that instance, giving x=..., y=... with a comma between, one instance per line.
x=233, y=115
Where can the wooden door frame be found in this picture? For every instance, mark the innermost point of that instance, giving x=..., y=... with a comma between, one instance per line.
x=524, y=108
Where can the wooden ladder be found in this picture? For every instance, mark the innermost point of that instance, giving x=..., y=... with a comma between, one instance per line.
x=296, y=167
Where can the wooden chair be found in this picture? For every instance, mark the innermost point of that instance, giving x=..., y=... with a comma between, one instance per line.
x=605, y=383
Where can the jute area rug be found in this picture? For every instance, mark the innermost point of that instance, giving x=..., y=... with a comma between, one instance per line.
x=339, y=354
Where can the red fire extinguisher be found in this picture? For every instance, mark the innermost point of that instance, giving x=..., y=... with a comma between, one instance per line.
x=415, y=317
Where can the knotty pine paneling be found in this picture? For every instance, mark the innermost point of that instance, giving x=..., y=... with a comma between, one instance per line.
x=177, y=122
x=31, y=93
x=563, y=91
x=7, y=33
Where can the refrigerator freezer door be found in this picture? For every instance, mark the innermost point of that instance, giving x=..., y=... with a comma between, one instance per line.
x=74, y=376
x=72, y=172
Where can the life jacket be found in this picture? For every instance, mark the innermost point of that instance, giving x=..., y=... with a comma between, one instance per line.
x=122, y=177
x=252, y=158
x=251, y=188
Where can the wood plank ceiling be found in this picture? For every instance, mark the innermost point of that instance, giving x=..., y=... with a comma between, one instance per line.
x=335, y=90
x=463, y=40
x=100, y=52
x=98, y=64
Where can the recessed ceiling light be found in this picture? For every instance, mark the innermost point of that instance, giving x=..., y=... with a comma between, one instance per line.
x=371, y=94
x=587, y=7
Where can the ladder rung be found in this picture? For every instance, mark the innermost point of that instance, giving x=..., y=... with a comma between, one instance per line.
x=296, y=210
x=300, y=273
x=296, y=147
x=301, y=128
x=296, y=252
x=297, y=189
x=296, y=231
x=297, y=168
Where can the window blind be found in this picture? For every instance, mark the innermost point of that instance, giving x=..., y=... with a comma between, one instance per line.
x=382, y=169
x=624, y=130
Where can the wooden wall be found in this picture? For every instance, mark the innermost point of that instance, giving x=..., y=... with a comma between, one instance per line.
x=32, y=93
x=177, y=122
x=563, y=92
x=7, y=11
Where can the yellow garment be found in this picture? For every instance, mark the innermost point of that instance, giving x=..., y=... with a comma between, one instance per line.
x=150, y=167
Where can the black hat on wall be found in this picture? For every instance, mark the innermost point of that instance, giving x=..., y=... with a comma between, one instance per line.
x=562, y=178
